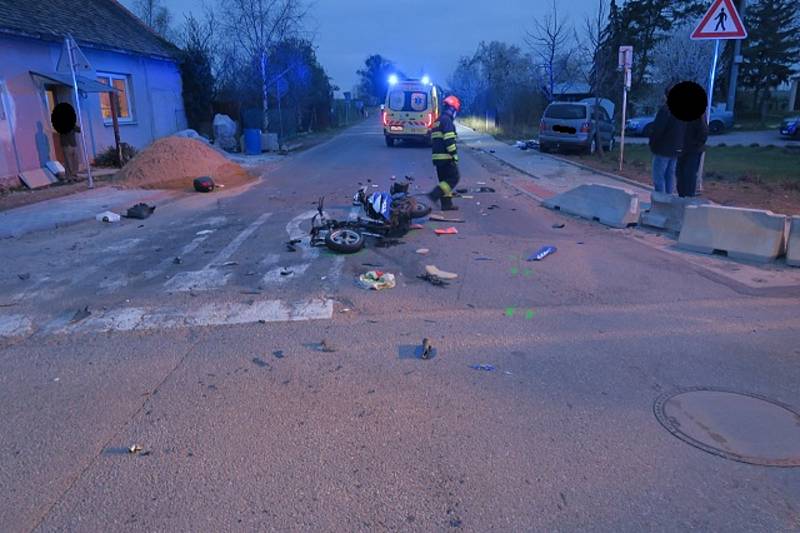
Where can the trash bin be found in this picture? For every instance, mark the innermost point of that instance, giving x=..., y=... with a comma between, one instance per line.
x=252, y=141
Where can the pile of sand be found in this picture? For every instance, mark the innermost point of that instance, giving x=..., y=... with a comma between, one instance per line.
x=174, y=162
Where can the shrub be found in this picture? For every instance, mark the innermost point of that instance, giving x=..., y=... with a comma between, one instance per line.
x=108, y=157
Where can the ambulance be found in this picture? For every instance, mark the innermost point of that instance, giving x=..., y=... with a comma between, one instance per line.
x=411, y=108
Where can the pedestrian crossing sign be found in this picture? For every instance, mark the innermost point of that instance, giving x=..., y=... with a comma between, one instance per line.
x=721, y=21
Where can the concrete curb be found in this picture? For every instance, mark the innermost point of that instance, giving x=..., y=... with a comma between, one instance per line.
x=629, y=181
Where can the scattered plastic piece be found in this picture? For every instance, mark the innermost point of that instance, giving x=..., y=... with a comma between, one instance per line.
x=290, y=245
x=278, y=354
x=229, y=263
x=177, y=261
x=432, y=270
x=481, y=183
x=484, y=189
x=485, y=367
x=325, y=347
x=442, y=218
x=377, y=280
x=559, y=225
x=107, y=216
x=484, y=259
x=81, y=314
x=542, y=252
x=447, y=231
x=433, y=280
x=423, y=251
x=205, y=232
x=135, y=448
x=24, y=277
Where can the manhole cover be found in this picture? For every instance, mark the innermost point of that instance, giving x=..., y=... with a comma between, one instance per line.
x=743, y=427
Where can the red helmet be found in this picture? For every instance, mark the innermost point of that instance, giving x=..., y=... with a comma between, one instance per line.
x=453, y=102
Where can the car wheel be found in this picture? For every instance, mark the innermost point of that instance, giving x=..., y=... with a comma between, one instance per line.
x=647, y=130
x=389, y=141
x=716, y=127
x=344, y=240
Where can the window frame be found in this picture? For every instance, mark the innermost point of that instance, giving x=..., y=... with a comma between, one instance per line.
x=126, y=79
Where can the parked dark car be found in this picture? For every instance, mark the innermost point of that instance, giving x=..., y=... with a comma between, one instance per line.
x=567, y=125
x=720, y=121
x=790, y=127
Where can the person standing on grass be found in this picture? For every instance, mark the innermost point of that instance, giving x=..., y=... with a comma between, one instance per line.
x=666, y=142
x=694, y=144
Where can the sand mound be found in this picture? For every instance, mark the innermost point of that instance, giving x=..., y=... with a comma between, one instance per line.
x=173, y=162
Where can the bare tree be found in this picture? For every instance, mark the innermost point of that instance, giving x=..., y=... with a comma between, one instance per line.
x=548, y=40
x=155, y=15
x=678, y=58
x=256, y=26
x=596, y=69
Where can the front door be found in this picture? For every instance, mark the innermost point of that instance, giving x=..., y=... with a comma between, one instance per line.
x=55, y=95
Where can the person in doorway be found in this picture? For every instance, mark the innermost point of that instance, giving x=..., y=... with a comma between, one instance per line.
x=688, y=164
x=69, y=143
x=445, y=154
x=666, y=142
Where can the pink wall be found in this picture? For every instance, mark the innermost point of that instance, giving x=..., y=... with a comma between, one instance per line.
x=155, y=93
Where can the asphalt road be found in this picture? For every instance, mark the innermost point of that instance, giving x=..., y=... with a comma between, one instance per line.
x=249, y=425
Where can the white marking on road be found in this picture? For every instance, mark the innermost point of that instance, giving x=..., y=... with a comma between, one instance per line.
x=15, y=326
x=212, y=314
x=122, y=246
x=210, y=277
x=186, y=250
x=296, y=232
x=335, y=273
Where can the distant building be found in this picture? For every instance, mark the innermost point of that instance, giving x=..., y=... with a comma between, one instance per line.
x=122, y=52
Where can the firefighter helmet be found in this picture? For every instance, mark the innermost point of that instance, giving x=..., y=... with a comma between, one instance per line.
x=453, y=102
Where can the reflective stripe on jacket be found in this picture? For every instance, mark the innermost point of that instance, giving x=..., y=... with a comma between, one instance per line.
x=443, y=140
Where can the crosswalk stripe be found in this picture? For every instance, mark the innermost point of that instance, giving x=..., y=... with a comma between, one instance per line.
x=210, y=276
x=210, y=314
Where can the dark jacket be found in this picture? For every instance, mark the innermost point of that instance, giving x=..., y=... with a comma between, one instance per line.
x=667, y=135
x=443, y=140
x=694, y=141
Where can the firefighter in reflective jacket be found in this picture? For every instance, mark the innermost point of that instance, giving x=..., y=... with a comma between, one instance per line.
x=445, y=154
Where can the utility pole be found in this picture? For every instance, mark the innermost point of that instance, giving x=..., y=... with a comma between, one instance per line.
x=265, y=89
x=733, y=78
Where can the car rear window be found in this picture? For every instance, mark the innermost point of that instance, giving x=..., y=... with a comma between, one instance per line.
x=411, y=101
x=566, y=111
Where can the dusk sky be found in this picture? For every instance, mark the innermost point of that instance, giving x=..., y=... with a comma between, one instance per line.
x=413, y=33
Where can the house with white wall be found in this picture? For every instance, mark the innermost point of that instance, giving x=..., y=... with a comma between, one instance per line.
x=121, y=51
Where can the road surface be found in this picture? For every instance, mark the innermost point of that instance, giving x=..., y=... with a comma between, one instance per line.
x=203, y=346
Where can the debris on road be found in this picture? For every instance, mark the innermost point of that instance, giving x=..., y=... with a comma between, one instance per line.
x=107, y=216
x=376, y=280
x=177, y=261
x=205, y=232
x=371, y=265
x=423, y=251
x=140, y=211
x=325, y=347
x=480, y=183
x=559, y=225
x=260, y=362
x=427, y=349
x=416, y=226
x=441, y=274
x=446, y=231
x=290, y=245
x=24, y=277
x=388, y=243
x=229, y=263
x=135, y=448
x=542, y=252
x=442, y=218
x=483, y=366
x=286, y=272
x=433, y=280
x=80, y=314
x=483, y=189
x=493, y=206
x=278, y=354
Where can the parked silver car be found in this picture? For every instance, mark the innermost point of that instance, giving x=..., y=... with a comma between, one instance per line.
x=573, y=125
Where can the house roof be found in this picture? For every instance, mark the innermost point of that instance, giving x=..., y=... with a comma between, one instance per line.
x=97, y=23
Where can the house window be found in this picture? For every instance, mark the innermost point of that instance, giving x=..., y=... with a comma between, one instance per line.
x=121, y=83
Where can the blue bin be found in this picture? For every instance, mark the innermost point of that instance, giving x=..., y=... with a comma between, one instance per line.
x=252, y=141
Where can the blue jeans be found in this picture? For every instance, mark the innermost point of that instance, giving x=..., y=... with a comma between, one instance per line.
x=664, y=173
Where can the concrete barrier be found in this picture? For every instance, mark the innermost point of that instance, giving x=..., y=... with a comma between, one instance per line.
x=666, y=211
x=750, y=234
x=613, y=206
x=793, y=244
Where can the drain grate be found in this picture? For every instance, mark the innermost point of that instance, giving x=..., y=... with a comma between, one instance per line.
x=743, y=427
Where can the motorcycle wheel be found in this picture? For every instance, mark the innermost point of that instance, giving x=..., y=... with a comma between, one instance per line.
x=344, y=240
x=421, y=209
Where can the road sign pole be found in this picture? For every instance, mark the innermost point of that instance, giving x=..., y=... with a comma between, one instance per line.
x=711, y=77
x=622, y=129
x=69, y=42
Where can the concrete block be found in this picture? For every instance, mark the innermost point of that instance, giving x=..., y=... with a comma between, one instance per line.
x=749, y=234
x=613, y=206
x=666, y=211
x=793, y=244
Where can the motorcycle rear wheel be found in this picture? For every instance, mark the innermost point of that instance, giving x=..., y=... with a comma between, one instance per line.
x=344, y=240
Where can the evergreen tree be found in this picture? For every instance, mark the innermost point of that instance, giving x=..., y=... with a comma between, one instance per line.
x=772, y=50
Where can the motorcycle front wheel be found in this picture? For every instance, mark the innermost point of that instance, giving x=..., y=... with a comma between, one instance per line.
x=421, y=210
x=344, y=240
